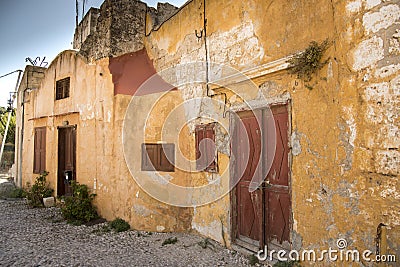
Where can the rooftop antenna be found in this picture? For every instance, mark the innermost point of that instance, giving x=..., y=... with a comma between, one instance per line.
x=83, y=8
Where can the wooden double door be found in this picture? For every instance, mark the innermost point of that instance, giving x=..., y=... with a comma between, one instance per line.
x=261, y=198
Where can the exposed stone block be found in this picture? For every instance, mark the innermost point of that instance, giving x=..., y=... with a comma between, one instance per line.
x=367, y=53
x=371, y=3
x=388, y=162
x=48, y=202
x=385, y=17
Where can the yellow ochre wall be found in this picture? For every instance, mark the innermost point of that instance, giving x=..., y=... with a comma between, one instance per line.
x=344, y=134
x=344, y=131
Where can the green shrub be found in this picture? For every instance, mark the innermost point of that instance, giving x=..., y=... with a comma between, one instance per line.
x=78, y=208
x=120, y=225
x=253, y=260
x=170, y=240
x=39, y=190
x=17, y=193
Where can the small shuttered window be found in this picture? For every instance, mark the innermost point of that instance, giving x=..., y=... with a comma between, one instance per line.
x=39, y=159
x=158, y=157
x=62, y=88
x=206, y=151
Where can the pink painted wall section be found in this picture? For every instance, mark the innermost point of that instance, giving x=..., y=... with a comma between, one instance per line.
x=134, y=74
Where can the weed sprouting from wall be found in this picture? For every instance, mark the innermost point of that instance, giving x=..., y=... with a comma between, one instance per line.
x=308, y=62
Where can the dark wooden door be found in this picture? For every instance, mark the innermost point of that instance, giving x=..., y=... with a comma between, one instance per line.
x=262, y=215
x=277, y=194
x=66, y=159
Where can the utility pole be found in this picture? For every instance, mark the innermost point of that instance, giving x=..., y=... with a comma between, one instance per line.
x=76, y=11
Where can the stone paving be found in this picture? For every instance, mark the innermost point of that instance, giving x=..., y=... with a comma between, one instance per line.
x=39, y=237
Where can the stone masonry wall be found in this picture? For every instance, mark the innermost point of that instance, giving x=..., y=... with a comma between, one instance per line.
x=86, y=27
x=374, y=134
x=119, y=30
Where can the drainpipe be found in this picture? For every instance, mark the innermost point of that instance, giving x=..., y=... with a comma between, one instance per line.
x=21, y=142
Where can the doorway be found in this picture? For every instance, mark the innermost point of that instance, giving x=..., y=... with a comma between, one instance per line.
x=261, y=202
x=66, y=160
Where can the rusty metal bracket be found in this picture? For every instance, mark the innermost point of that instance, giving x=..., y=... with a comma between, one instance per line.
x=199, y=36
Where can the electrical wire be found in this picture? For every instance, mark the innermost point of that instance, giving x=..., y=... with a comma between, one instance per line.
x=10, y=73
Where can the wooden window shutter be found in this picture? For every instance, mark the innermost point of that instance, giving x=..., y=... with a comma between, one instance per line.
x=62, y=88
x=66, y=87
x=206, y=152
x=148, y=155
x=167, y=157
x=39, y=159
x=36, y=151
x=199, y=135
x=43, y=150
x=158, y=157
x=58, y=90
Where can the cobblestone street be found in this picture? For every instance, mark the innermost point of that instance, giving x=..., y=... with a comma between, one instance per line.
x=39, y=237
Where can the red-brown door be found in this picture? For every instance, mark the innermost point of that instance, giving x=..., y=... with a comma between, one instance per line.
x=277, y=194
x=262, y=215
x=66, y=159
x=248, y=202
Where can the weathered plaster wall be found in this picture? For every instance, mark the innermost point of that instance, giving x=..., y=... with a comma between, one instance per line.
x=100, y=164
x=344, y=131
x=89, y=106
x=31, y=80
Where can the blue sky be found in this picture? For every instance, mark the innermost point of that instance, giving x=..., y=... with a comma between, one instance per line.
x=38, y=28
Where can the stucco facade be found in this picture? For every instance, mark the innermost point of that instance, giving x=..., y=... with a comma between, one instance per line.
x=343, y=136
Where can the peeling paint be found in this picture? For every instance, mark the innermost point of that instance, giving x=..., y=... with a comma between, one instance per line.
x=371, y=3
x=367, y=53
x=394, y=43
x=388, y=162
x=238, y=46
x=387, y=71
x=354, y=6
x=295, y=141
x=211, y=229
x=350, y=121
x=142, y=210
x=385, y=17
x=391, y=192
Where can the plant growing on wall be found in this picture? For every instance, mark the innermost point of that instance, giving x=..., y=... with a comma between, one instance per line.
x=308, y=62
x=78, y=208
x=39, y=190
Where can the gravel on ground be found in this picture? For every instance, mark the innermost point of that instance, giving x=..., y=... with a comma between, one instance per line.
x=39, y=237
